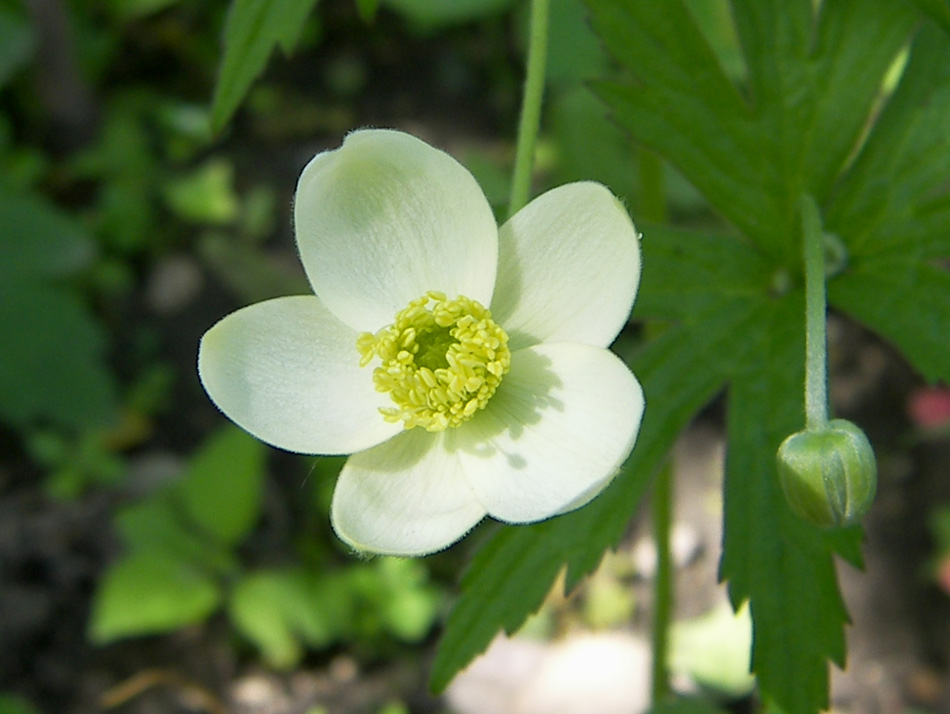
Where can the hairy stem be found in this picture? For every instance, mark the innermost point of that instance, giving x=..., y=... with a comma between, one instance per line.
x=816, y=345
x=530, y=106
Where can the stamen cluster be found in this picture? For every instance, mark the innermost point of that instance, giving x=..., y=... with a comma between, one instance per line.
x=440, y=364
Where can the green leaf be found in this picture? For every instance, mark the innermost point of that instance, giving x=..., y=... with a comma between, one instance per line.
x=908, y=302
x=17, y=43
x=221, y=490
x=52, y=367
x=40, y=240
x=157, y=524
x=277, y=609
x=10, y=704
x=676, y=387
x=683, y=106
x=367, y=9
x=812, y=86
x=253, y=28
x=895, y=199
x=150, y=592
x=688, y=271
x=779, y=563
x=937, y=10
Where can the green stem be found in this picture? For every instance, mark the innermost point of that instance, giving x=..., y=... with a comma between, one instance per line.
x=663, y=588
x=816, y=345
x=530, y=106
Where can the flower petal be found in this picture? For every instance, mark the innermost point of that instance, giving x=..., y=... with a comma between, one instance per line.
x=287, y=371
x=405, y=497
x=386, y=218
x=569, y=267
x=554, y=434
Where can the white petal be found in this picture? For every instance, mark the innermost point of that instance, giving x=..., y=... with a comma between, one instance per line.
x=568, y=270
x=287, y=371
x=405, y=497
x=386, y=218
x=553, y=436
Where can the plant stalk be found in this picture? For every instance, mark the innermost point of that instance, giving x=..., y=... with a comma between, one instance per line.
x=530, y=122
x=816, y=306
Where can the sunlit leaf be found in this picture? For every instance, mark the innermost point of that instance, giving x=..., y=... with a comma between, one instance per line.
x=222, y=487
x=150, y=592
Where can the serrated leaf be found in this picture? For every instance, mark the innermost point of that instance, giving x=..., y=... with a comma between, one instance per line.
x=253, y=29
x=813, y=82
x=895, y=198
x=676, y=386
x=221, y=490
x=779, y=563
x=907, y=302
x=149, y=592
x=683, y=106
x=689, y=271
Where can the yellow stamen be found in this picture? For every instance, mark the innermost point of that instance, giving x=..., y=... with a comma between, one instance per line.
x=440, y=365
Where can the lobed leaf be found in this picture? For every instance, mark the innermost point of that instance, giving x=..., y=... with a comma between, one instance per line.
x=676, y=387
x=908, y=302
x=895, y=198
x=780, y=564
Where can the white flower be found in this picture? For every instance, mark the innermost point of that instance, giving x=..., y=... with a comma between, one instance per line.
x=450, y=412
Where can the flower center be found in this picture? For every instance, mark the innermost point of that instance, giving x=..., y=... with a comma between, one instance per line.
x=439, y=363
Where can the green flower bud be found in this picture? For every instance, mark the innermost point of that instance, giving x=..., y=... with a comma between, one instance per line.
x=829, y=475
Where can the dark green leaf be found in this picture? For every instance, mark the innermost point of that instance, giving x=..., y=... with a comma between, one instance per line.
x=52, y=366
x=781, y=564
x=908, y=302
x=683, y=106
x=676, y=386
x=17, y=43
x=367, y=9
x=150, y=592
x=895, y=199
x=937, y=10
x=253, y=28
x=689, y=271
x=221, y=490
x=813, y=82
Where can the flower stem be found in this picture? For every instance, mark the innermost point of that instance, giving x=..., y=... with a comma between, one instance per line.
x=816, y=345
x=662, y=512
x=530, y=106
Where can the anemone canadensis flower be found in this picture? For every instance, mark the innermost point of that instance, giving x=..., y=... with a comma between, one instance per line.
x=463, y=366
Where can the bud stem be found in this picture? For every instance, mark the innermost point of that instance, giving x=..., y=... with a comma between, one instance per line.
x=816, y=345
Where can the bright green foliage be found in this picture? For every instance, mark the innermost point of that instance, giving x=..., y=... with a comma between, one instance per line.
x=222, y=489
x=281, y=611
x=253, y=28
x=798, y=124
x=179, y=542
x=40, y=247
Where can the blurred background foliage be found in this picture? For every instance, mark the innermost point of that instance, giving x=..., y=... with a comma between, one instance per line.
x=135, y=210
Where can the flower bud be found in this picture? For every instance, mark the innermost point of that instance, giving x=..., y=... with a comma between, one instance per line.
x=829, y=475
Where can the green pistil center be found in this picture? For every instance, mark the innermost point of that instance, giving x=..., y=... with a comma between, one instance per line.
x=440, y=363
